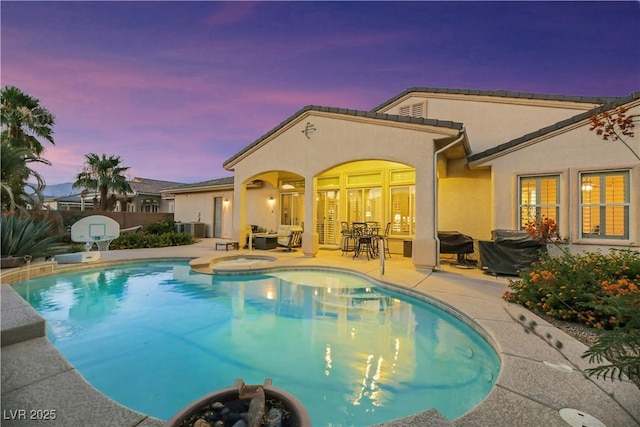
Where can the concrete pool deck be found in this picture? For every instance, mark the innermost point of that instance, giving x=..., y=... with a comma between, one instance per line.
x=528, y=392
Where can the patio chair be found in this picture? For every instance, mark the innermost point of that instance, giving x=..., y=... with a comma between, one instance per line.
x=385, y=239
x=293, y=239
x=365, y=240
x=348, y=238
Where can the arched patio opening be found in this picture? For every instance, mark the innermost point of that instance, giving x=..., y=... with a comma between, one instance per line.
x=379, y=191
x=270, y=199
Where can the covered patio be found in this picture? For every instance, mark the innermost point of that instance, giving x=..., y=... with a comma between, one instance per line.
x=323, y=166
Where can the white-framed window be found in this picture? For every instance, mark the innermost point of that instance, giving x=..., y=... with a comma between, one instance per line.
x=291, y=208
x=539, y=198
x=604, y=205
x=364, y=204
x=403, y=207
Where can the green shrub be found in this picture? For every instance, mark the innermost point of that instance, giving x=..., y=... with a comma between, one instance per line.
x=26, y=235
x=599, y=290
x=148, y=240
x=574, y=287
x=165, y=225
x=618, y=350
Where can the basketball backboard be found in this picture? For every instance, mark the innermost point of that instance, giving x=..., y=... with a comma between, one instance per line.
x=95, y=228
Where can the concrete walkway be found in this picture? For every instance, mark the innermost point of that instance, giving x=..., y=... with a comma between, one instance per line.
x=530, y=391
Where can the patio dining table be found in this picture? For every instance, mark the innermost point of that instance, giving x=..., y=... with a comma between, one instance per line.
x=366, y=239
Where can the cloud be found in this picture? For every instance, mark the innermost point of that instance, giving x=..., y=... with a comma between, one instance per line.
x=231, y=13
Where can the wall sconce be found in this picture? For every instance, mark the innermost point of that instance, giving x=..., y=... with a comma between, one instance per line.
x=225, y=203
x=271, y=202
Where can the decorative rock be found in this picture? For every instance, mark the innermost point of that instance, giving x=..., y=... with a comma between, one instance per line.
x=256, y=408
x=273, y=418
x=240, y=423
x=201, y=422
x=219, y=423
x=217, y=405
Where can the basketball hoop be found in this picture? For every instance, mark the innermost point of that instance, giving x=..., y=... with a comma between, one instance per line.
x=97, y=229
x=103, y=245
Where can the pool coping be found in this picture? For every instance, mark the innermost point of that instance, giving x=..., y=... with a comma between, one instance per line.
x=527, y=392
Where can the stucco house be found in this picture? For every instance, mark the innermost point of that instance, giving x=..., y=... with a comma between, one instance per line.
x=428, y=160
x=146, y=196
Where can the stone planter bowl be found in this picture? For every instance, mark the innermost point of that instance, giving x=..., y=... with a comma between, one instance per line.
x=243, y=405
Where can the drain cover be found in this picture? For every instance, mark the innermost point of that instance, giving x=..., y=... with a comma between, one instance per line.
x=579, y=419
x=558, y=366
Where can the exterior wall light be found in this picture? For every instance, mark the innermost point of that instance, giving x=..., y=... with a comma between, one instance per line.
x=225, y=203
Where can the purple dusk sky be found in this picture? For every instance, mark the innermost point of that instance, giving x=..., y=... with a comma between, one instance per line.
x=176, y=88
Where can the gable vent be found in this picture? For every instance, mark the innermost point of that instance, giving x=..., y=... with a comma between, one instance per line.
x=417, y=110
x=404, y=111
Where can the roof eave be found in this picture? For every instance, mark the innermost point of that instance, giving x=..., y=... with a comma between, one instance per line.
x=578, y=120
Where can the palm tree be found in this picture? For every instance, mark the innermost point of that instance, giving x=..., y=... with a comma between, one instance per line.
x=104, y=175
x=15, y=174
x=24, y=121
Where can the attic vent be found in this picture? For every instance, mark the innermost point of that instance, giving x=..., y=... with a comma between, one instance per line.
x=417, y=110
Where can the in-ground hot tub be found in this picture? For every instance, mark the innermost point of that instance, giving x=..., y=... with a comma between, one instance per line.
x=230, y=263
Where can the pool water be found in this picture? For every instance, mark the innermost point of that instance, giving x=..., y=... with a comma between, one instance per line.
x=156, y=336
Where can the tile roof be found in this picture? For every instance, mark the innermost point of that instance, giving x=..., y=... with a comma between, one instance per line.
x=151, y=186
x=344, y=111
x=72, y=198
x=556, y=126
x=219, y=182
x=498, y=93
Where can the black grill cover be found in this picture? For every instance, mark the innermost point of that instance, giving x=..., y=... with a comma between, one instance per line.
x=453, y=242
x=509, y=254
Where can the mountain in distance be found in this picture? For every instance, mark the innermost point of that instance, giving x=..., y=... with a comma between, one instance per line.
x=57, y=190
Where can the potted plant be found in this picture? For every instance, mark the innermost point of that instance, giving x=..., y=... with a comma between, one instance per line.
x=250, y=405
x=23, y=237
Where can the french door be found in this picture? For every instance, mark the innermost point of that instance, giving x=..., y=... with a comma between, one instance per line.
x=328, y=217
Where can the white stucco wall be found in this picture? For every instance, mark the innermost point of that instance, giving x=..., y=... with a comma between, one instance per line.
x=464, y=200
x=490, y=120
x=567, y=153
x=189, y=205
x=258, y=210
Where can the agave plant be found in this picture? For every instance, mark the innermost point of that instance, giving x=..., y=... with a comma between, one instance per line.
x=26, y=235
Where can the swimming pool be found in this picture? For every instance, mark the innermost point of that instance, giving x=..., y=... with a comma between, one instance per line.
x=155, y=336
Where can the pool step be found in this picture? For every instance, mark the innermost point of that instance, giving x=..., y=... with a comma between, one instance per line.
x=19, y=320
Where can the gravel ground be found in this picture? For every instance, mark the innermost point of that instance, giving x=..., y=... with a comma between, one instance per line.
x=587, y=336
x=584, y=334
